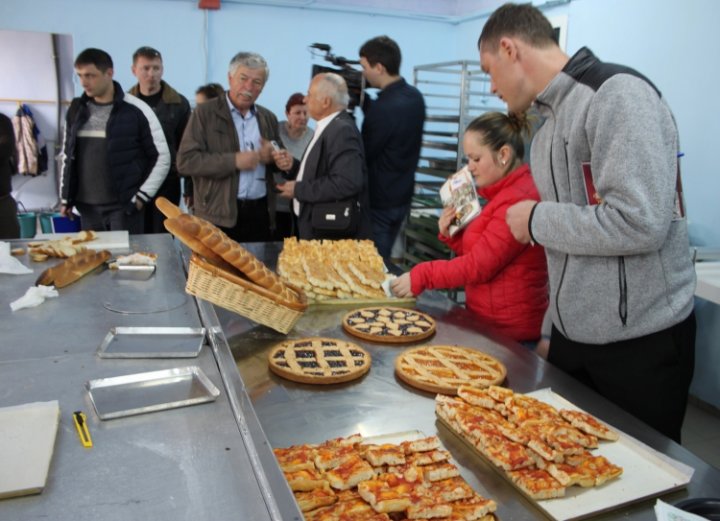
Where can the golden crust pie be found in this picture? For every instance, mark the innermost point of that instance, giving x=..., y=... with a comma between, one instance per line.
x=388, y=324
x=319, y=360
x=443, y=369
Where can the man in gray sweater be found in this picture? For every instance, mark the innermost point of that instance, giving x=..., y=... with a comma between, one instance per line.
x=611, y=217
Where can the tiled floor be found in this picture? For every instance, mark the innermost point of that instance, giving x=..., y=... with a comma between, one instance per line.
x=701, y=433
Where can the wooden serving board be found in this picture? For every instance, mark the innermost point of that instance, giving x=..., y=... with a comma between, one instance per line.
x=357, y=302
x=116, y=240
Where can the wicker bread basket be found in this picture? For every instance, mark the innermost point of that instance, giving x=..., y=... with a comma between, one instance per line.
x=243, y=297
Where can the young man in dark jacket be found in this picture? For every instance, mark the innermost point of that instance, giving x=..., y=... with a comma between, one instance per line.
x=392, y=136
x=114, y=155
x=173, y=111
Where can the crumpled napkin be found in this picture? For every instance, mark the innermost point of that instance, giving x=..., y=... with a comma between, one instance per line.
x=34, y=296
x=9, y=264
x=667, y=512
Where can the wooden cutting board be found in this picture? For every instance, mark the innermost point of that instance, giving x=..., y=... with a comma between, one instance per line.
x=117, y=240
x=27, y=442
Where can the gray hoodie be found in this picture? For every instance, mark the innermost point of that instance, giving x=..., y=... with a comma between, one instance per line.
x=619, y=269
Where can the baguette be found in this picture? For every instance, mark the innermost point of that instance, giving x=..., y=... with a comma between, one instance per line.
x=184, y=227
x=167, y=207
x=72, y=268
x=191, y=230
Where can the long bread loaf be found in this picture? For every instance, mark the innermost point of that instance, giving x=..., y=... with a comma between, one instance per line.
x=73, y=268
x=215, y=240
x=167, y=207
x=184, y=227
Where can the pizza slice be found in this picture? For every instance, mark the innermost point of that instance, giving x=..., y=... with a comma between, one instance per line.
x=449, y=490
x=563, y=439
x=349, y=510
x=304, y=480
x=474, y=507
x=296, y=457
x=604, y=470
x=385, y=454
x=422, y=445
x=428, y=508
x=568, y=475
x=537, y=483
x=476, y=396
x=386, y=498
x=499, y=394
x=329, y=457
x=589, y=424
x=316, y=498
x=352, y=440
x=577, y=459
x=508, y=455
x=427, y=458
x=440, y=471
x=521, y=408
x=349, y=473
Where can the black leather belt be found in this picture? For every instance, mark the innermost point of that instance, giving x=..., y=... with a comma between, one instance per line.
x=252, y=203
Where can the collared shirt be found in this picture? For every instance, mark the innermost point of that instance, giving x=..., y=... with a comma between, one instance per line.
x=252, y=182
x=321, y=125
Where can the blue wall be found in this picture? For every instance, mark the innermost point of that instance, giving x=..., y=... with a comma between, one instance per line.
x=672, y=43
x=675, y=44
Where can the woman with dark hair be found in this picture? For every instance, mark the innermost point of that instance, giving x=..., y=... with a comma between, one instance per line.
x=295, y=135
x=294, y=131
x=505, y=281
x=208, y=92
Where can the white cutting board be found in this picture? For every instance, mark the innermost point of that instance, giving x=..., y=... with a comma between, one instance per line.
x=117, y=240
x=27, y=442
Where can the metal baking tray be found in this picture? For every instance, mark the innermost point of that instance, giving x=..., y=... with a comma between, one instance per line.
x=150, y=392
x=152, y=342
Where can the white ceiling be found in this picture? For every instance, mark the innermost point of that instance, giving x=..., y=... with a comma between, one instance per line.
x=451, y=11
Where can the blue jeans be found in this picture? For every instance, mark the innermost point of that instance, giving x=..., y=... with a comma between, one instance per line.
x=386, y=223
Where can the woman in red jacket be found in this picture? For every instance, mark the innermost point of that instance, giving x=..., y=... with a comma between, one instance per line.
x=505, y=281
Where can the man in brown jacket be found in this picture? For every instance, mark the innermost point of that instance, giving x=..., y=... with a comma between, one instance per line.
x=226, y=149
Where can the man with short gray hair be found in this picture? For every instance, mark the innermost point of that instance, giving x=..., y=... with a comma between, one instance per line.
x=226, y=149
x=330, y=192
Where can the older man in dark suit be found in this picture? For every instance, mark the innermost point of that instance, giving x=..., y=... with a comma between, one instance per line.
x=329, y=190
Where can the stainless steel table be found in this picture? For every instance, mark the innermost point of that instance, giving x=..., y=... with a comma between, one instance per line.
x=292, y=413
x=192, y=463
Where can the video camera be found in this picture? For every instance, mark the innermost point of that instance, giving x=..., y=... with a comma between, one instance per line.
x=353, y=77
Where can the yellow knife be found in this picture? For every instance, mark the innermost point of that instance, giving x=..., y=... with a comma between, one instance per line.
x=80, y=421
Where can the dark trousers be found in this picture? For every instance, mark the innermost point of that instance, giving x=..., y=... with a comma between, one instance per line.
x=253, y=222
x=154, y=218
x=386, y=224
x=649, y=376
x=106, y=218
x=9, y=225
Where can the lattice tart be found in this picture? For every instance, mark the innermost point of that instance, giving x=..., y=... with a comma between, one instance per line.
x=388, y=324
x=319, y=360
x=442, y=369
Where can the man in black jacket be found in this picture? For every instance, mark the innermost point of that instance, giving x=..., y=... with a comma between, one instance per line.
x=9, y=226
x=173, y=111
x=332, y=168
x=114, y=155
x=392, y=136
